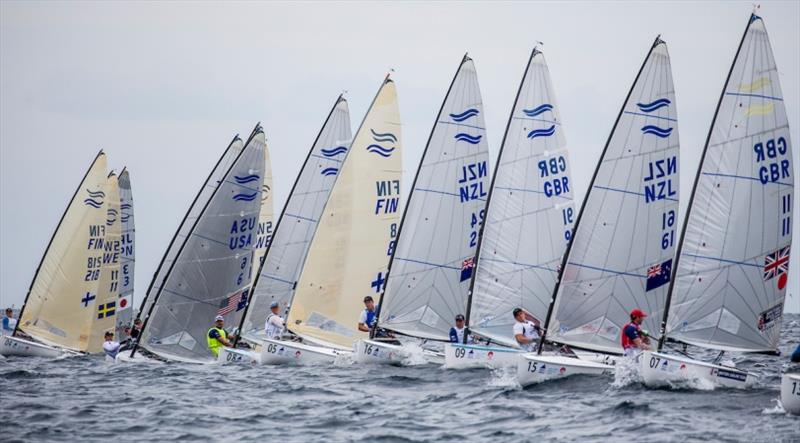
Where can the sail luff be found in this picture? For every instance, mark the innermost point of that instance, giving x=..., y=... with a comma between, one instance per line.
x=128, y=258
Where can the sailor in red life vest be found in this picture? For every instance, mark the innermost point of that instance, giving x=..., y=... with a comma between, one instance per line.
x=634, y=339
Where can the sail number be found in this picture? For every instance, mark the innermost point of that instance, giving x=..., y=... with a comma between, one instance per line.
x=654, y=361
x=272, y=348
x=795, y=388
x=567, y=218
x=533, y=366
x=392, y=239
x=475, y=222
x=460, y=352
x=667, y=229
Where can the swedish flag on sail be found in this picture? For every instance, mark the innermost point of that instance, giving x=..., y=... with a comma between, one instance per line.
x=106, y=310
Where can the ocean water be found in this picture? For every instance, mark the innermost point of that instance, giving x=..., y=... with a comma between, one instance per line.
x=88, y=399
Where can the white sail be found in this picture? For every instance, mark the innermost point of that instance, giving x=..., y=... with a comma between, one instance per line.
x=108, y=284
x=432, y=266
x=530, y=212
x=62, y=301
x=623, y=245
x=298, y=222
x=127, y=254
x=733, y=265
x=349, y=254
x=265, y=218
x=210, y=275
x=201, y=199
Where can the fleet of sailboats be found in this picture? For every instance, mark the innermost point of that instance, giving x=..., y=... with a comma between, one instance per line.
x=465, y=245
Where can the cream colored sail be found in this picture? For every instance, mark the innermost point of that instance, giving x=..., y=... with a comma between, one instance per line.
x=108, y=284
x=265, y=218
x=349, y=255
x=62, y=300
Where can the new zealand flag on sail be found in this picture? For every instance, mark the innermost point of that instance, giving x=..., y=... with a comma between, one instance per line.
x=658, y=275
x=466, y=268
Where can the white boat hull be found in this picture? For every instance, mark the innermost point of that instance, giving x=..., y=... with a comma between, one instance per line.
x=26, y=348
x=238, y=356
x=460, y=356
x=283, y=352
x=533, y=368
x=790, y=393
x=658, y=369
x=376, y=352
x=125, y=357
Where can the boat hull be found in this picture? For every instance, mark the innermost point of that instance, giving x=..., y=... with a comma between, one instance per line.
x=790, y=393
x=533, y=368
x=460, y=356
x=376, y=352
x=26, y=348
x=238, y=356
x=659, y=369
x=283, y=352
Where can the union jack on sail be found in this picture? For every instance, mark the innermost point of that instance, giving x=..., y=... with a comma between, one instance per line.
x=776, y=263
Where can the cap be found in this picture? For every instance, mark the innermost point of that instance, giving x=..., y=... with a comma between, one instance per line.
x=274, y=305
x=516, y=311
x=219, y=318
x=368, y=298
x=638, y=313
x=459, y=317
x=109, y=333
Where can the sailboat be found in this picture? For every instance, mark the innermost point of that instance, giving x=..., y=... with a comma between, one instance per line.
x=210, y=274
x=349, y=253
x=432, y=262
x=732, y=263
x=124, y=307
x=621, y=251
x=790, y=393
x=276, y=279
x=529, y=218
x=61, y=308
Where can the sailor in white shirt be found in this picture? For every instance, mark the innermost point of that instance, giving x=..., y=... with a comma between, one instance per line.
x=526, y=333
x=273, y=327
x=110, y=347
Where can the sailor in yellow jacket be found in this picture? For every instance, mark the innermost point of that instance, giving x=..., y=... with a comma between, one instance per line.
x=217, y=337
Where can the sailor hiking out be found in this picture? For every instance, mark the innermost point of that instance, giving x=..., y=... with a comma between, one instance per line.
x=526, y=333
x=273, y=326
x=217, y=337
x=457, y=332
x=110, y=347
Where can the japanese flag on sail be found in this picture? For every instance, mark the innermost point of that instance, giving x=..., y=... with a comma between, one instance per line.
x=234, y=302
x=124, y=302
x=466, y=268
x=776, y=264
x=658, y=275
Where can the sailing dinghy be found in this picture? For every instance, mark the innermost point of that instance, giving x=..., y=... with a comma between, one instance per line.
x=210, y=273
x=623, y=240
x=349, y=253
x=790, y=393
x=529, y=219
x=61, y=308
x=276, y=279
x=431, y=267
x=732, y=262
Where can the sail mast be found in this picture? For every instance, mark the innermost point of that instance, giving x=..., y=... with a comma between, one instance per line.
x=565, y=258
x=256, y=130
x=410, y=195
x=49, y=243
x=280, y=218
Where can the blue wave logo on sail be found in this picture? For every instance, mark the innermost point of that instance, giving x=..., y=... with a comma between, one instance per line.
x=652, y=106
x=655, y=130
x=380, y=138
x=385, y=137
x=246, y=179
x=329, y=171
x=245, y=197
x=541, y=109
x=542, y=132
x=333, y=152
x=380, y=150
x=471, y=139
x=111, y=216
x=125, y=206
x=95, y=199
x=469, y=113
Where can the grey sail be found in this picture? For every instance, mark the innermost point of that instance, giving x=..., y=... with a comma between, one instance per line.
x=127, y=254
x=733, y=261
x=623, y=245
x=210, y=274
x=296, y=227
x=530, y=213
x=431, y=269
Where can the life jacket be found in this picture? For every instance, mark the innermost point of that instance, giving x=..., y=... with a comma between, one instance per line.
x=627, y=342
x=371, y=317
x=213, y=343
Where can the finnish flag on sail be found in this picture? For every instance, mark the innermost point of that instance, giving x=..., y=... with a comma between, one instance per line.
x=658, y=275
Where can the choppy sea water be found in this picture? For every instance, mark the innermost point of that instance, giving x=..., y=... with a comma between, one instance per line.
x=88, y=399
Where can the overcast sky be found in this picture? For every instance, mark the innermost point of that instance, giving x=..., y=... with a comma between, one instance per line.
x=162, y=88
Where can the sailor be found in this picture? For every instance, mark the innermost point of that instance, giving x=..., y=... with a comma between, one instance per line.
x=217, y=337
x=526, y=333
x=273, y=327
x=368, y=315
x=634, y=338
x=9, y=323
x=796, y=355
x=137, y=328
x=457, y=332
x=110, y=347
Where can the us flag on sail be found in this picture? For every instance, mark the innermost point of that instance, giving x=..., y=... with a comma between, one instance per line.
x=235, y=302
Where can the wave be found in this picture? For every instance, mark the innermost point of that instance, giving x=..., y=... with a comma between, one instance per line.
x=385, y=137
x=93, y=203
x=380, y=150
x=329, y=171
x=471, y=112
x=333, y=152
x=542, y=132
x=471, y=139
x=245, y=197
x=655, y=130
x=541, y=109
x=652, y=106
x=246, y=179
x=96, y=194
